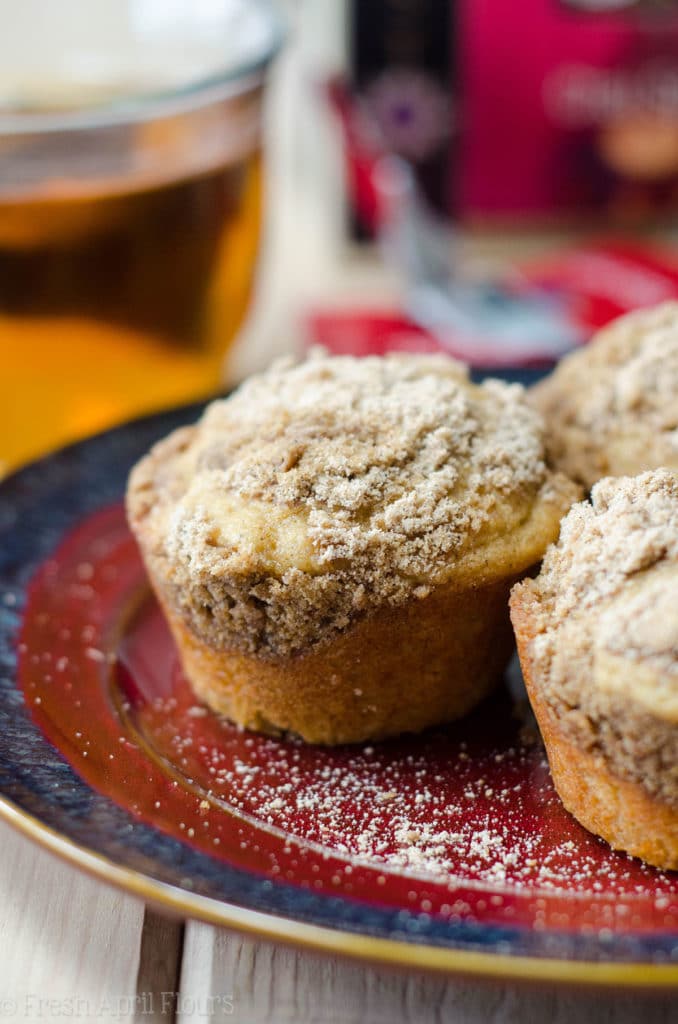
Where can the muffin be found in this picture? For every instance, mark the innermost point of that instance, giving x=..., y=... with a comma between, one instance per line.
x=611, y=408
x=597, y=636
x=334, y=544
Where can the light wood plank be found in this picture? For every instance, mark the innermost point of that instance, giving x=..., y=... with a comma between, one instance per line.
x=63, y=936
x=228, y=978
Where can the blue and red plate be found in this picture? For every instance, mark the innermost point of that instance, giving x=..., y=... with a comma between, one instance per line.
x=448, y=851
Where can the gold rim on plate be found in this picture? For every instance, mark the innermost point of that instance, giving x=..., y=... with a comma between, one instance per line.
x=319, y=939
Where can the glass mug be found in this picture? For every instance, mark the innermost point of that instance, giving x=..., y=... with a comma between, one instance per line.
x=130, y=205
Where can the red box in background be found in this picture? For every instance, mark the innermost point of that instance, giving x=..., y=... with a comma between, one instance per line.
x=539, y=111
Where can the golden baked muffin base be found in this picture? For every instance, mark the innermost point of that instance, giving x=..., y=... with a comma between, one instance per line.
x=369, y=682
x=617, y=810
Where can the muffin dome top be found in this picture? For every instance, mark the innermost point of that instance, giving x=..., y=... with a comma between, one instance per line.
x=377, y=478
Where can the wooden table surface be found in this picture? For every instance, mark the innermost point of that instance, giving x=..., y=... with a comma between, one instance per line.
x=72, y=948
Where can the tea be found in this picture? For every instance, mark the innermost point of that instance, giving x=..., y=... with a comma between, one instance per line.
x=152, y=260
x=115, y=304
x=130, y=206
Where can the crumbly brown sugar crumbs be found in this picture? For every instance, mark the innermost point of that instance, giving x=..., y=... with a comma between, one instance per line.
x=612, y=408
x=394, y=455
x=648, y=384
x=630, y=525
x=640, y=357
x=382, y=471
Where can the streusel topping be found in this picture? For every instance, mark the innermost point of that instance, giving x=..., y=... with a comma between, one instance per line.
x=333, y=485
x=612, y=408
x=629, y=526
x=643, y=347
x=397, y=460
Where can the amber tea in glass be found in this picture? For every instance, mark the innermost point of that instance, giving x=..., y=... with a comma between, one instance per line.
x=129, y=217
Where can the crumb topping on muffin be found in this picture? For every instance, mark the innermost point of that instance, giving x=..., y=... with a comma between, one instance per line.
x=397, y=459
x=629, y=526
x=612, y=408
x=326, y=487
x=606, y=611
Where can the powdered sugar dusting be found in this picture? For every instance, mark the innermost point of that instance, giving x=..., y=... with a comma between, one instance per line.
x=437, y=808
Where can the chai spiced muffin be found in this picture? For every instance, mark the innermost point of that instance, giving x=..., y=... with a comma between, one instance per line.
x=611, y=408
x=597, y=636
x=334, y=544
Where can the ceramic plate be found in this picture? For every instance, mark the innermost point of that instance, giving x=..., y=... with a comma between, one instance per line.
x=449, y=851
